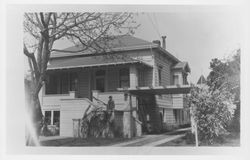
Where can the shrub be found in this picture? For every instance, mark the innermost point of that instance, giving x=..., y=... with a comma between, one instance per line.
x=212, y=111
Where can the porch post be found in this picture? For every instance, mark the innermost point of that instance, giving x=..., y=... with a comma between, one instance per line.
x=95, y=93
x=127, y=129
x=133, y=76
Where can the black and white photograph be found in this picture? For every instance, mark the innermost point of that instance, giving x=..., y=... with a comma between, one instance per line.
x=132, y=79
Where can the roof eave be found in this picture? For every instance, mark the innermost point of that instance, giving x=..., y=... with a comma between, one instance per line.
x=99, y=65
x=115, y=50
x=168, y=54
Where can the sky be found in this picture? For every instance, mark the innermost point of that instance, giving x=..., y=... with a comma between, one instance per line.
x=194, y=34
x=195, y=37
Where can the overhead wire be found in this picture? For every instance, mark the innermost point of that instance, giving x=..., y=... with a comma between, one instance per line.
x=155, y=27
x=156, y=21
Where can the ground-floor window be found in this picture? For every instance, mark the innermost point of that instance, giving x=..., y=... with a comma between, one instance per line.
x=56, y=118
x=47, y=115
x=52, y=117
x=52, y=121
x=179, y=115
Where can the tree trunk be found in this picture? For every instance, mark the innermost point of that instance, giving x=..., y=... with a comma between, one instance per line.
x=34, y=115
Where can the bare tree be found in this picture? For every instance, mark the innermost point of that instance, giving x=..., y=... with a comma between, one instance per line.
x=83, y=29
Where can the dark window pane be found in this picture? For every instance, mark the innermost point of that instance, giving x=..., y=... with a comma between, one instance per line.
x=51, y=84
x=100, y=73
x=175, y=114
x=64, y=83
x=100, y=80
x=124, y=77
x=141, y=78
x=56, y=119
x=100, y=84
x=160, y=75
x=73, y=81
x=48, y=117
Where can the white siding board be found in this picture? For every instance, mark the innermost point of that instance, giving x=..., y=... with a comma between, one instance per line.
x=169, y=116
x=70, y=109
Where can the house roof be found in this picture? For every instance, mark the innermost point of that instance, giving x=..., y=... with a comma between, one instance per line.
x=92, y=61
x=90, y=57
x=117, y=43
x=202, y=80
x=183, y=66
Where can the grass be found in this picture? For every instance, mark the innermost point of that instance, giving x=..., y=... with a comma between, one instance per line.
x=232, y=140
x=84, y=142
x=182, y=142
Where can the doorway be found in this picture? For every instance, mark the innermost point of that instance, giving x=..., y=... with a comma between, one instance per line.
x=100, y=80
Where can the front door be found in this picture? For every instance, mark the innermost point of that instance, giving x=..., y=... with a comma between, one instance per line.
x=100, y=84
x=100, y=80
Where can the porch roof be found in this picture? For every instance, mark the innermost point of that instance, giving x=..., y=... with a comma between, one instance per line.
x=174, y=89
x=93, y=61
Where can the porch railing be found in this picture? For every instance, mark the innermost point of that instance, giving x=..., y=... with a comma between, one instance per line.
x=103, y=97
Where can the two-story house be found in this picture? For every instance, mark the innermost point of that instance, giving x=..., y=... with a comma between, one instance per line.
x=133, y=71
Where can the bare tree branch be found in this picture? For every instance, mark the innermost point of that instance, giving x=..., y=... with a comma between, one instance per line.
x=33, y=59
x=90, y=30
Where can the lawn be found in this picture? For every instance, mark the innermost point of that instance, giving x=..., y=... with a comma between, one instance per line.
x=84, y=142
x=231, y=140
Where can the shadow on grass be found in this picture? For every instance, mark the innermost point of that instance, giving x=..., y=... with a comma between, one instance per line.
x=84, y=142
x=231, y=140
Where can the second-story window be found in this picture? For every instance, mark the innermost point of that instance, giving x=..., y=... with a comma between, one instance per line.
x=185, y=79
x=160, y=75
x=100, y=80
x=73, y=81
x=176, y=80
x=64, y=83
x=51, y=84
x=141, y=78
x=61, y=83
x=124, y=78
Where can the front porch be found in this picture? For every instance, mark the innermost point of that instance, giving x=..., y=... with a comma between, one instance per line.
x=71, y=91
x=101, y=78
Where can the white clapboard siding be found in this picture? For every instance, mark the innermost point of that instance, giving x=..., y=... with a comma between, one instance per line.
x=50, y=107
x=142, y=55
x=169, y=116
x=165, y=63
x=164, y=101
x=162, y=61
x=145, y=76
x=71, y=109
x=55, y=99
x=178, y=101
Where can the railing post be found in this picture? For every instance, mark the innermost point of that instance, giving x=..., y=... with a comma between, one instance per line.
x=95, y=93
x=72, y=94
